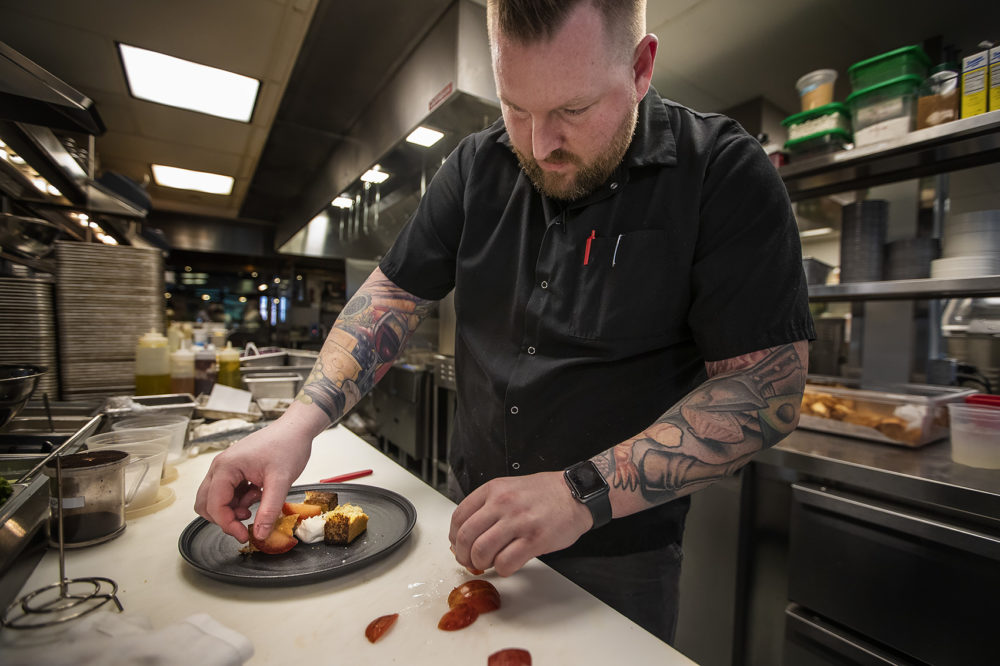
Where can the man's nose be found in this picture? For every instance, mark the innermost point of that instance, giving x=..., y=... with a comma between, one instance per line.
x=545, y=138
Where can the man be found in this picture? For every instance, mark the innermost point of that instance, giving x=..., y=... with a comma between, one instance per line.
x=630, y=304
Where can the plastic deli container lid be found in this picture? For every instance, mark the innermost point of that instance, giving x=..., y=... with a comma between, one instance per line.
x=819, y=111
x=915, y=51
x=911, y=80
x=836, y=131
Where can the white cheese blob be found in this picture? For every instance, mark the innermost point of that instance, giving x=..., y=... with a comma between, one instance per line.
x=310, y=530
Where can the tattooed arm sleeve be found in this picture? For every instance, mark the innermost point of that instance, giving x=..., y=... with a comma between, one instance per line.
x=748, y=403
x=367, y=337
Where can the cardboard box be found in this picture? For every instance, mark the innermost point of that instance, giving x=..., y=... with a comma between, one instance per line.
x=994, y=79
x=975, y=74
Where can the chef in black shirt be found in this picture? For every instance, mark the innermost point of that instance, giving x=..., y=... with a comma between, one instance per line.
x=632, y=317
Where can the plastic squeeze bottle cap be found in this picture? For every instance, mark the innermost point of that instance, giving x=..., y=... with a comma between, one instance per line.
x=229, y=354
x=152, y=339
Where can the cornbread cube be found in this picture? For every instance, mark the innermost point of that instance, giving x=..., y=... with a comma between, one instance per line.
x=326, y=500
x=344, y=524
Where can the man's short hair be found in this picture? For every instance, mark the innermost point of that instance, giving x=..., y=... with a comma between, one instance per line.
x=532, y=21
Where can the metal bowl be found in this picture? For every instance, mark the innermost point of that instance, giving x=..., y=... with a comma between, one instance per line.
x=17, y=383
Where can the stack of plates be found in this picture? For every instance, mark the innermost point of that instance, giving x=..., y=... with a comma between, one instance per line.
x=107, y=297
x=28, y=330
x=862, y=240
x=970, y=246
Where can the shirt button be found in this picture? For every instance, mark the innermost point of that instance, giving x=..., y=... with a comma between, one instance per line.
x=531, y=350
x=515, y=466
x=514, y=410
x=614, y=186
x=545, y=285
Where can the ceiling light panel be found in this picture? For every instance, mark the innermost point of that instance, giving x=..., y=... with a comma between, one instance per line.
x=342, y=202
x=157, y=77
x=199, y=181
x=424, y=136
x=375, y=176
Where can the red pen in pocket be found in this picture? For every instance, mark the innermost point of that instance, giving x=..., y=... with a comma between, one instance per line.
x=586, y=251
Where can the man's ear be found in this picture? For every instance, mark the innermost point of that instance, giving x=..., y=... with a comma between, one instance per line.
x=642, y=64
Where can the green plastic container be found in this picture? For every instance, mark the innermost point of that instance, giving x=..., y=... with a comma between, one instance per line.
x=819, y=143
x=827, y=117
x=905, y=61
x=890, y=108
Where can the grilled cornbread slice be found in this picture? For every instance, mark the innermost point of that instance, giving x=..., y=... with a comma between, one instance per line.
x=344, y=524
x=322, y=498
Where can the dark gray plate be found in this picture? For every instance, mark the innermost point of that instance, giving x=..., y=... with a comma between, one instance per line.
x=214, y=553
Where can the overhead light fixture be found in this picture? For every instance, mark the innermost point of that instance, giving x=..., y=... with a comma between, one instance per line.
x=157, y=77
x=342, y=202
x=810, y=233
x=424, y=136
x=186, y=179
x=375, y=175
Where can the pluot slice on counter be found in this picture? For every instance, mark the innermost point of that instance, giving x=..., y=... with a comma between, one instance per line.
x=479, y=594
x=467, y=602
x=377, y=627
x=510, y=657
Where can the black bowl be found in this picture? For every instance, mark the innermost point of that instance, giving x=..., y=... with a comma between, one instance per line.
x=17, y=383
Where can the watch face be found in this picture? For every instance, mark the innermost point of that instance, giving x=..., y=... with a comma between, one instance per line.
x=586, y=479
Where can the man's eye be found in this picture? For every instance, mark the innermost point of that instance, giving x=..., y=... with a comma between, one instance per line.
x=575, y=112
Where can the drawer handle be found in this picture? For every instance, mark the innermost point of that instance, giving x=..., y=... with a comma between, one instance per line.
x=895, y=517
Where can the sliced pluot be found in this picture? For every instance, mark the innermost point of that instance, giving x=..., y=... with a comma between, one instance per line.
x=301, y=509
x=276, y=542
x=458, y=617
x=510, y=657
x=377, y=627
x=479, y=594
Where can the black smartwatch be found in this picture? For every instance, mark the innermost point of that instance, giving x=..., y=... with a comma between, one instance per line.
x=590, y=489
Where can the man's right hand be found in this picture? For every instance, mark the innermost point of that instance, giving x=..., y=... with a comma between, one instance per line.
x=261, y=466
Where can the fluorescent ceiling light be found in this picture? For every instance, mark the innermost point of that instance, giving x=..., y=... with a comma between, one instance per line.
x=816, y=232
x=157, y=77
x=374, y=176
x=342, y=202
x=185, y=179
x=424, y=136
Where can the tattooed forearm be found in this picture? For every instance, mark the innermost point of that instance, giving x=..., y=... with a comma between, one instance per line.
x=368, y=336
x=748, y=404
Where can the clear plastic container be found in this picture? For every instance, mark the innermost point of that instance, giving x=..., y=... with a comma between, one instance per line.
x=177, y=425
x=816, y=88
x=147, y=450
x=905, y=61
x=884, y=111
x=904, y=414
x=820, y=143
x=975, y=435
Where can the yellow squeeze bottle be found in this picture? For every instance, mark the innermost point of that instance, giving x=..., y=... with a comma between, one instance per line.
x=152, y=365
x=229, y=366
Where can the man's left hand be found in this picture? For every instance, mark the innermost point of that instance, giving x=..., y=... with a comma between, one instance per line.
x=507, y=521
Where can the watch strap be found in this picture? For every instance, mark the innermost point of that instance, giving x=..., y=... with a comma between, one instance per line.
x=600, y=509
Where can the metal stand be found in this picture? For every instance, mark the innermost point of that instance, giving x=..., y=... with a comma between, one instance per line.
x=67, y=605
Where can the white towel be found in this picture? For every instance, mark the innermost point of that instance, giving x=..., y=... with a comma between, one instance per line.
x=108, y=638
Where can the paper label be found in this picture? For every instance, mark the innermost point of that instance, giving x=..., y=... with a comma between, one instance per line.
x=68, y=503
x=881, y=111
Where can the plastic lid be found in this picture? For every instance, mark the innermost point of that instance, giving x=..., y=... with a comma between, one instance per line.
x=152, y=339
x=836, y=131
x=910, y=50
x=228, y=354
x=825, y=110
x=813, y=79
x=913, y=79
x=183, y=353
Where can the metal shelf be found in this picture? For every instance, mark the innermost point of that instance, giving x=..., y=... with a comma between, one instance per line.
x=891, y=290
x=960, y=144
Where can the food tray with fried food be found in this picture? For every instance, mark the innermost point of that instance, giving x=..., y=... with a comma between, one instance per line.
x=910, y=415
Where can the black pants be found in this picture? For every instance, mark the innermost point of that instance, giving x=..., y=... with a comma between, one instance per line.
x=643, y=586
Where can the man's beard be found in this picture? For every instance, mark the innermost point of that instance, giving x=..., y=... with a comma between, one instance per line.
x=589, y=176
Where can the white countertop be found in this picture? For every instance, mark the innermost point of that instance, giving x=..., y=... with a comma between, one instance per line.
x=542, y=612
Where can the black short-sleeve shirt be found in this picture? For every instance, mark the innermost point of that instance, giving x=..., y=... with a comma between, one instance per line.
x=580, y=324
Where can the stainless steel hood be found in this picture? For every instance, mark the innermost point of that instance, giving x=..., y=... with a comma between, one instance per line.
x=446, y=84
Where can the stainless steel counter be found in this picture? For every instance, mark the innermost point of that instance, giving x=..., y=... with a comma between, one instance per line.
x=924, y=474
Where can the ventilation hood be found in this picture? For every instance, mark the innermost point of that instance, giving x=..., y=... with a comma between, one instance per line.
x=446, y=84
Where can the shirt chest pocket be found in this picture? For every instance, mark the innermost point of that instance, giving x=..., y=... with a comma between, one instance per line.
x=626, y=286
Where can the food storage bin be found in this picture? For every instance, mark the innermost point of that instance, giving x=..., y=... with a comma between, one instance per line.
x=884, y=111
x=908, y=415
x=816, y=88
x=975, y=435
x=818, y=144
x=285, y=385
x=905, y=61
x=821, y=119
